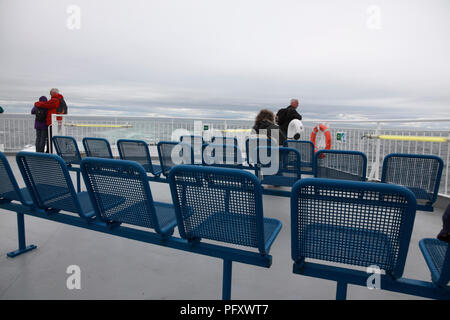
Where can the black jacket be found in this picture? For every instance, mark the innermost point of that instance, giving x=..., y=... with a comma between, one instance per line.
x=269, y=126
x=285, y=116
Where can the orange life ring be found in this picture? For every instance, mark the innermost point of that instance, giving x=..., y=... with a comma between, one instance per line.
x=327, y=134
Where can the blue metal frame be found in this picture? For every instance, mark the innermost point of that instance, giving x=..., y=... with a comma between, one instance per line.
x=106, y=144
x=164, y=167
x=237, y=155
x=149, y=166
x=95, y=223
x=385, y=178
x=269, y=142
x=6, y=202
x=311, y=197
x=43, y=191
x=437, y=256
x=285, y=176
x=336, y=174
x=224, y=140
x=303, y=152
x=69, y=162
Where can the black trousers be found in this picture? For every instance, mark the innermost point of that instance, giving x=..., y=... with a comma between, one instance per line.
x=41, y=139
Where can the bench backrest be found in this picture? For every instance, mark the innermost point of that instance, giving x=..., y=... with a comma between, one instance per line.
x=219, y=204
x=67, y=148
x=340, y=164
x=251, y=145
x=225, y=140
x=120, y=192
x=285, y=170
x=172, y=153
x=9, y=189
x=97, y=147
x=135, y=150
x=49, y=183
x=352, y=222
x=306, y=149
x=221, y=155
x=418, y=172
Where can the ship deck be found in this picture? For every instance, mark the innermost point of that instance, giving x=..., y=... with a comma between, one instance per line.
x=118, y=268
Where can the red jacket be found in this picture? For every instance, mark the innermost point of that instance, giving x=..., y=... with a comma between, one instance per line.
x=51, y=105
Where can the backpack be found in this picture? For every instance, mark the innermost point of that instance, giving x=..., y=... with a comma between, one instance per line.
x=41, y=114
x=62, y=109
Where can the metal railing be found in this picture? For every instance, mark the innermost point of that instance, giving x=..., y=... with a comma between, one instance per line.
x=17, y=132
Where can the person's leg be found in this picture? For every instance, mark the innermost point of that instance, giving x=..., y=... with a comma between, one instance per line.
x=48, y=139
x=41, y=140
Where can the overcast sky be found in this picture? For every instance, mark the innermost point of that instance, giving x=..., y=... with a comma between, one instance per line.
x=229, y=58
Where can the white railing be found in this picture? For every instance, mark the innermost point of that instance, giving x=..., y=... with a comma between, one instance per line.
x=17, y=131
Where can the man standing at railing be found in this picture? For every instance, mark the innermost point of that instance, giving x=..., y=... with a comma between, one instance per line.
x=286, y=115
x=56, y=101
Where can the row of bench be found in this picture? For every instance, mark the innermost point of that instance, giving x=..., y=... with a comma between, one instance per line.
x=350, y=222
x=420, y=173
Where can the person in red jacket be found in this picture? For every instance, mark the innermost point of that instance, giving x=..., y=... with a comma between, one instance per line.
x=51, y=106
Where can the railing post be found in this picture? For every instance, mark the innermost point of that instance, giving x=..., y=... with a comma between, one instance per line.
x=226, y=280
x=377, y=153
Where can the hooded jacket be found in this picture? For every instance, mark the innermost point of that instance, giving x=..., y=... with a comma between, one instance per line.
x=51, y=105
x=269, y=126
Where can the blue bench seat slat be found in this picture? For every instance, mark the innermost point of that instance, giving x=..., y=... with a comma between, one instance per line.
x=437, y=257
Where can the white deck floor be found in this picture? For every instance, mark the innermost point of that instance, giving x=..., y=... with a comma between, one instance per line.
x=117, y=268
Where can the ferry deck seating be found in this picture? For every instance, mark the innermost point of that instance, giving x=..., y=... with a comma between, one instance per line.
x=330, y=220
x=196, y=142
x=137, y=150
x=119, y=196
x=166, y=149
x=66, y=147
x=419, y=173
x=340, y=164
x=97, y=147
x=332, y=223
x=281, y=168
x=222, y=155
x=306, y=149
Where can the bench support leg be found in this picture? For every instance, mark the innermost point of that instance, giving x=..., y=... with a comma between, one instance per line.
x=226, y=281
x=341, y=291
x=21, y=235
x=78, y=181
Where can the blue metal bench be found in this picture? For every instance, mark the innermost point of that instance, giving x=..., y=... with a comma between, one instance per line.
x=222, y=155
x=166, y=149
x=9, y=194
x=340, y=164
x=223, y=205
x=50, y=186
x=66, y=147
x=97, y=147
x=119, y=194
x=225, y=140
x=137, y=150
x=251, y=145
x=306, y=149
x=285, y=168
x=419, y=173
x=108, y=179
x=196, y=142
x=437, y=257
x=333, y=223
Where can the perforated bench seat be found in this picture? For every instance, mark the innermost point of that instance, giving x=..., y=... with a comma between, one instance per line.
x=437, y=258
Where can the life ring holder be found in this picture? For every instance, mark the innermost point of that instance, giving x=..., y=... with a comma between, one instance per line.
x=324, y=129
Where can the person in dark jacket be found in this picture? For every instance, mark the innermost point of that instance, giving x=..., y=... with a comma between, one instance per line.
x=41, y=129
x=265, y=121
x=286, y=115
